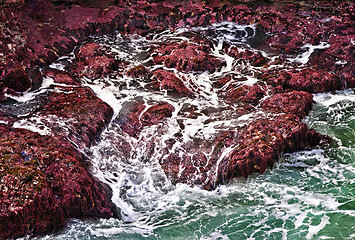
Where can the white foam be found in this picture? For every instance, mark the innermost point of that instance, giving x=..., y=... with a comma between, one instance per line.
x=304, y=57
x=313, y=230
x=33, y=124
x=329, y=99
x=27, y=96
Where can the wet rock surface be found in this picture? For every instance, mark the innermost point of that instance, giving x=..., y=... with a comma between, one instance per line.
x=43, y=182
x=44, y=179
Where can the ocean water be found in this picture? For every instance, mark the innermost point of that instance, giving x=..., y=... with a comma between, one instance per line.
x=307, y=195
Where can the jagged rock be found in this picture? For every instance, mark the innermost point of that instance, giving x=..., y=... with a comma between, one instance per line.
x=168, y=81
x=92, y=63
x=242, y=93
x=44, y=182
x=138, y=71
x=309, y=80
x=84, y=114
x=61, y=77
x=294, y=102
x=131, y=120
x=187, y=57
x=254, y=58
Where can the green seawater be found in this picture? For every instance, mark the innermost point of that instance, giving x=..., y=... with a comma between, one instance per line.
x=308, y=195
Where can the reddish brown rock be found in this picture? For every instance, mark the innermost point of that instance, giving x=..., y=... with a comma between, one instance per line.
x=255, y=148
x=84, y=115
x=168, y=81
x=187, y=57
x=157, y=113
x=44, y=182
x=242, y=93
x=256, y=59
x=61, y=77
x=16, y=78
x=138, y=72
x=294, y=102
x=92, y=63
x=260, y=145
x=128, y=117
x=131, y=120
x=88, y=51
x=309, y=80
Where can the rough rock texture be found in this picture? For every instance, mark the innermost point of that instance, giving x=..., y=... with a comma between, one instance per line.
x=258, y=146
x=92, y=63
x=43, y=179
x=134, y=115
x=294, y=102
x=43, y=182
x=312, y=81
x=168, y=81
x=187, y=57
x=75, y=113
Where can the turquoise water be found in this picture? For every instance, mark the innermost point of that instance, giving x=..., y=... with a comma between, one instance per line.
x=307, y=195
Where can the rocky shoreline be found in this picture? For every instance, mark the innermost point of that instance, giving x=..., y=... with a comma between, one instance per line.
x=44, y=177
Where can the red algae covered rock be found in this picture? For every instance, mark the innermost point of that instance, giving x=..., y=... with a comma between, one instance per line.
x=134, y=116
x=84, y=114
x=87, y=51
x=44, y=182
x=260, y=144
x=92, y=63
x=168, y=81
x=294, y=102
x=157, y=113
x=251, y=149
x=256, y=59
x=61, y=77
x=309, y=80
x=187, y=57
x=243, y=93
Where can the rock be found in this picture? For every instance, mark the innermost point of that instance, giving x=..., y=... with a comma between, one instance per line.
x=309, y=80
x=157, y=113
x=134, y=116
x=92, y=63
x=16, y=78
x=166, y=80
x=43, y=183
x=187, y=57
x=251, y=150
x=75, y=113
x=128, y=117
x=256, y=59
x=88, y=51
x=294, y=102
x=12, y=3
x=260, y=145
x=138, y=72
x=61, y=77
x=243, y=93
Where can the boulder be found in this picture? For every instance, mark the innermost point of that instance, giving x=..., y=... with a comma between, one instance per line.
x=44, y=181
x=187, y=57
